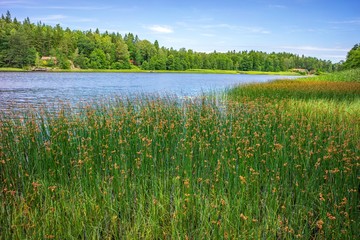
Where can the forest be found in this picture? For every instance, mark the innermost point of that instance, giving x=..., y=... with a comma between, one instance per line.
x=26, y=44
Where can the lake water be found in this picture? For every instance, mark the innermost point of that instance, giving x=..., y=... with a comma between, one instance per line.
x=19, y=90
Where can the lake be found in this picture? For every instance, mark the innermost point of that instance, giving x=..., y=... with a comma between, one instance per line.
x=19, y=90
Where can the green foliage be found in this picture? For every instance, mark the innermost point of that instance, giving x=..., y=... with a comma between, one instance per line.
x=157, y=62
x=87, y=49
x=98, y=59
x=147, y=50
x=122, y=55
x=121, y=65
x=353, y=58
x=62, y=60
x=81, y=61
x=145, y=66
x=17, y=50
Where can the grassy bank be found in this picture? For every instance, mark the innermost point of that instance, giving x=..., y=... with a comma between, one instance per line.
x=352, y=75
x=134, y=70
x=269, y=73
x=276, y=161
x=137, y=70
x=12, y=70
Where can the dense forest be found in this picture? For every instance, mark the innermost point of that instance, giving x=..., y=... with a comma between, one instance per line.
x=25, y=44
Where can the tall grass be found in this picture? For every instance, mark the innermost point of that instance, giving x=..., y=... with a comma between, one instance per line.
x=299, y=89
x=152, y=168
x=351, y=75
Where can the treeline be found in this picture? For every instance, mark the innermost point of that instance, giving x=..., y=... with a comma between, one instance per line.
x=353, y=58
x=24, y=44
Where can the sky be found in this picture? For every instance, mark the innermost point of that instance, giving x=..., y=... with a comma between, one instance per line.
x=326, y=29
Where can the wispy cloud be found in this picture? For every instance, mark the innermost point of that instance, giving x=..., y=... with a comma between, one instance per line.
x=78, y=8
x=210, y=26
x=207, y=35
x=307, y=30
x=220, y=25
x=11, y=2
x=32, y=5
x=234, y=28
x=59, y=18
x=352, y=21
x=312, y=48
x=50, y=18
x=277, y=6
x=256, y=30
x=160, y=29
x=335, y=54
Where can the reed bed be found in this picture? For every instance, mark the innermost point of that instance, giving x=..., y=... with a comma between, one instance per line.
x=351, y=75
x=157, y=168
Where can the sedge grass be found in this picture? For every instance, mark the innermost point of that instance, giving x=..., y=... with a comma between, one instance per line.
x=276, y=162
x=351, y=75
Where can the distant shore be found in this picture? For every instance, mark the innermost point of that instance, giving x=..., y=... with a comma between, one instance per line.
x=199, y=71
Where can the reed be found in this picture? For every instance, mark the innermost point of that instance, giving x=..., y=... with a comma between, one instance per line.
x=275, y=161
x=351, y=75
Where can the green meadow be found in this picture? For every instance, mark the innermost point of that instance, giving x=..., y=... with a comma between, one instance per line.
x=277, y=160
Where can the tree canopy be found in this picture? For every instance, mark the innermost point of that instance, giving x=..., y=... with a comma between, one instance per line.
x=353, y=57
x=23, y=43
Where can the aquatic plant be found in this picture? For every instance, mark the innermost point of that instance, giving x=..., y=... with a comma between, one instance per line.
x=275, y=161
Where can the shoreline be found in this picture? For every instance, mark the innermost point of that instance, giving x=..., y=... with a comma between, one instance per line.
x=193, y=71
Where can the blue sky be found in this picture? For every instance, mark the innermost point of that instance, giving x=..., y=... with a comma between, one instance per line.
x=325, y=29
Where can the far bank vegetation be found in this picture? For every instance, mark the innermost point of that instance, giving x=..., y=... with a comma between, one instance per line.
x=29, y=45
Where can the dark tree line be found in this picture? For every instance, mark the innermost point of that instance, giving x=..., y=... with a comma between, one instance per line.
x=22, y=44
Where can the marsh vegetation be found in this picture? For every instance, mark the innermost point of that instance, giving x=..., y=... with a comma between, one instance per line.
x=275, y=160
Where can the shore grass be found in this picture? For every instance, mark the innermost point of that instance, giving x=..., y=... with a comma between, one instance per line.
x=197, y=71
x=12, y=70
x=269, y=73
x=277, y=160
x=133, y=70
x=352, y=75
x=211, y=71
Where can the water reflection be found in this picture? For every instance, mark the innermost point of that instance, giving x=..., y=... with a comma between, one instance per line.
x=24, y=90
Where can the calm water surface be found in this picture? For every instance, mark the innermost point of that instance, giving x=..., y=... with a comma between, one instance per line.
x=19, y=90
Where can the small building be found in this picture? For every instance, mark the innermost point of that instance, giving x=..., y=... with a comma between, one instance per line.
x=48, y=59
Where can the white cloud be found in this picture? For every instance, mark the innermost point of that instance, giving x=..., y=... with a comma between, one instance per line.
x=278, y=6
x=236, y=28
x=208, y=35
x=161, y=29
x=58, y=18
x=209, y=24
x=51, y=18
x=11, y=2
x=335, y=54
x=312, y=48
x=353, y=21
x=80, y=8
x=220, y=25
x=256, y=30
